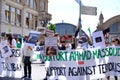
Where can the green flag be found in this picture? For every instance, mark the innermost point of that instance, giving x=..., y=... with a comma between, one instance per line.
x=89, y=31
x=90, y=37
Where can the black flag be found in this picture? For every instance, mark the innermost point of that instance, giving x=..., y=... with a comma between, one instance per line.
x=78, y=29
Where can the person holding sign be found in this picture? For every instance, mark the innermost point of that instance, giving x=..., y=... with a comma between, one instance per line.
x=1, y=59
x=27, y=53
x=116, y=43
x=41, y=45
x=11, y=42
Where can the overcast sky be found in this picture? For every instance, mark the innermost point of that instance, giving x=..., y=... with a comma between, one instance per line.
x=68, y=10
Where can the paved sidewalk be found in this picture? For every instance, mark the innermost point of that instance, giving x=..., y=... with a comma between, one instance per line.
x=38, y=73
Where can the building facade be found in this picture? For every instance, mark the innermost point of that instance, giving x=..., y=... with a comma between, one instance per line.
x=22, y=16
x=70, y=29
x=111, y=26
x=67, y=28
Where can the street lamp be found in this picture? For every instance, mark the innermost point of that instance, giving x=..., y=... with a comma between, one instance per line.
x=45, y=22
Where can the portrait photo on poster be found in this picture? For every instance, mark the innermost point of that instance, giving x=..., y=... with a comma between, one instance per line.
x=51, y=50
x=5, y=49
x=98, y=39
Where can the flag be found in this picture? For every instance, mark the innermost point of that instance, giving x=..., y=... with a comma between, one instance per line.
x=89, y=31
x=78, y=1
x=90, y=37
x=78, y=29
x=77, y=33
x=79, y=23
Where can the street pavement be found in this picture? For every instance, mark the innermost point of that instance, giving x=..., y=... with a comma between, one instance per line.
x=38, y=73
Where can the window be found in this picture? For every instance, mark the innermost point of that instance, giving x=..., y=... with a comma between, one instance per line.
x=35, y=4
x=19, y=1
x=27, y=20
x=42, y=6
x=35, y=22
x=18, y=17
x=12, y=15
x=31, y=21
x=32, y=4
x=114, y=28
x=7, y=13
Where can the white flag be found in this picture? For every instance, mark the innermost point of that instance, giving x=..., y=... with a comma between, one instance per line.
x=78, y=1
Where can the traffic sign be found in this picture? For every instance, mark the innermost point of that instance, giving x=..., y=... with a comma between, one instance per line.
x=88, y=10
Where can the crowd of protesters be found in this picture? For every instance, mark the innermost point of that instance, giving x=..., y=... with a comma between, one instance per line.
x=27, y=51
x=11, y=43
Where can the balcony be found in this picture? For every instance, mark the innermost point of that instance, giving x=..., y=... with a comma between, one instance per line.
x=45, y=16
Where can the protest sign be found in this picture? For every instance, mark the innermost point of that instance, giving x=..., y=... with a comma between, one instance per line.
x=98, y=39
x=66, y=38
x=5, y=49
x=39, y=53
x=49, y=32
x=51, y=46
x=33, y=37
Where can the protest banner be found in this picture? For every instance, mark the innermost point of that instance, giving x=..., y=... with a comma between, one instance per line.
x=76, y=64
x=15, y=62
x=89, y=64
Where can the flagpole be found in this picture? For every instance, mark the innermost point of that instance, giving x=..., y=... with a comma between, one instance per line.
x=80, y=26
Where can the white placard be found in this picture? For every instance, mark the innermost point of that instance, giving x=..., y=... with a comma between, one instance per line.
x=98, y=39
x=5, y=49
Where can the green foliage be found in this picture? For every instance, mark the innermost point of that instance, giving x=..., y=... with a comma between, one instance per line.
x=52, y=27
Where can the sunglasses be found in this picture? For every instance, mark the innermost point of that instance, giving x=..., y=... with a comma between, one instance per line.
x=113, y=41
x=80, y=42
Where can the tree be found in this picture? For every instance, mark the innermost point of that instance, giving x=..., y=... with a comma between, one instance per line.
x=52, y=27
